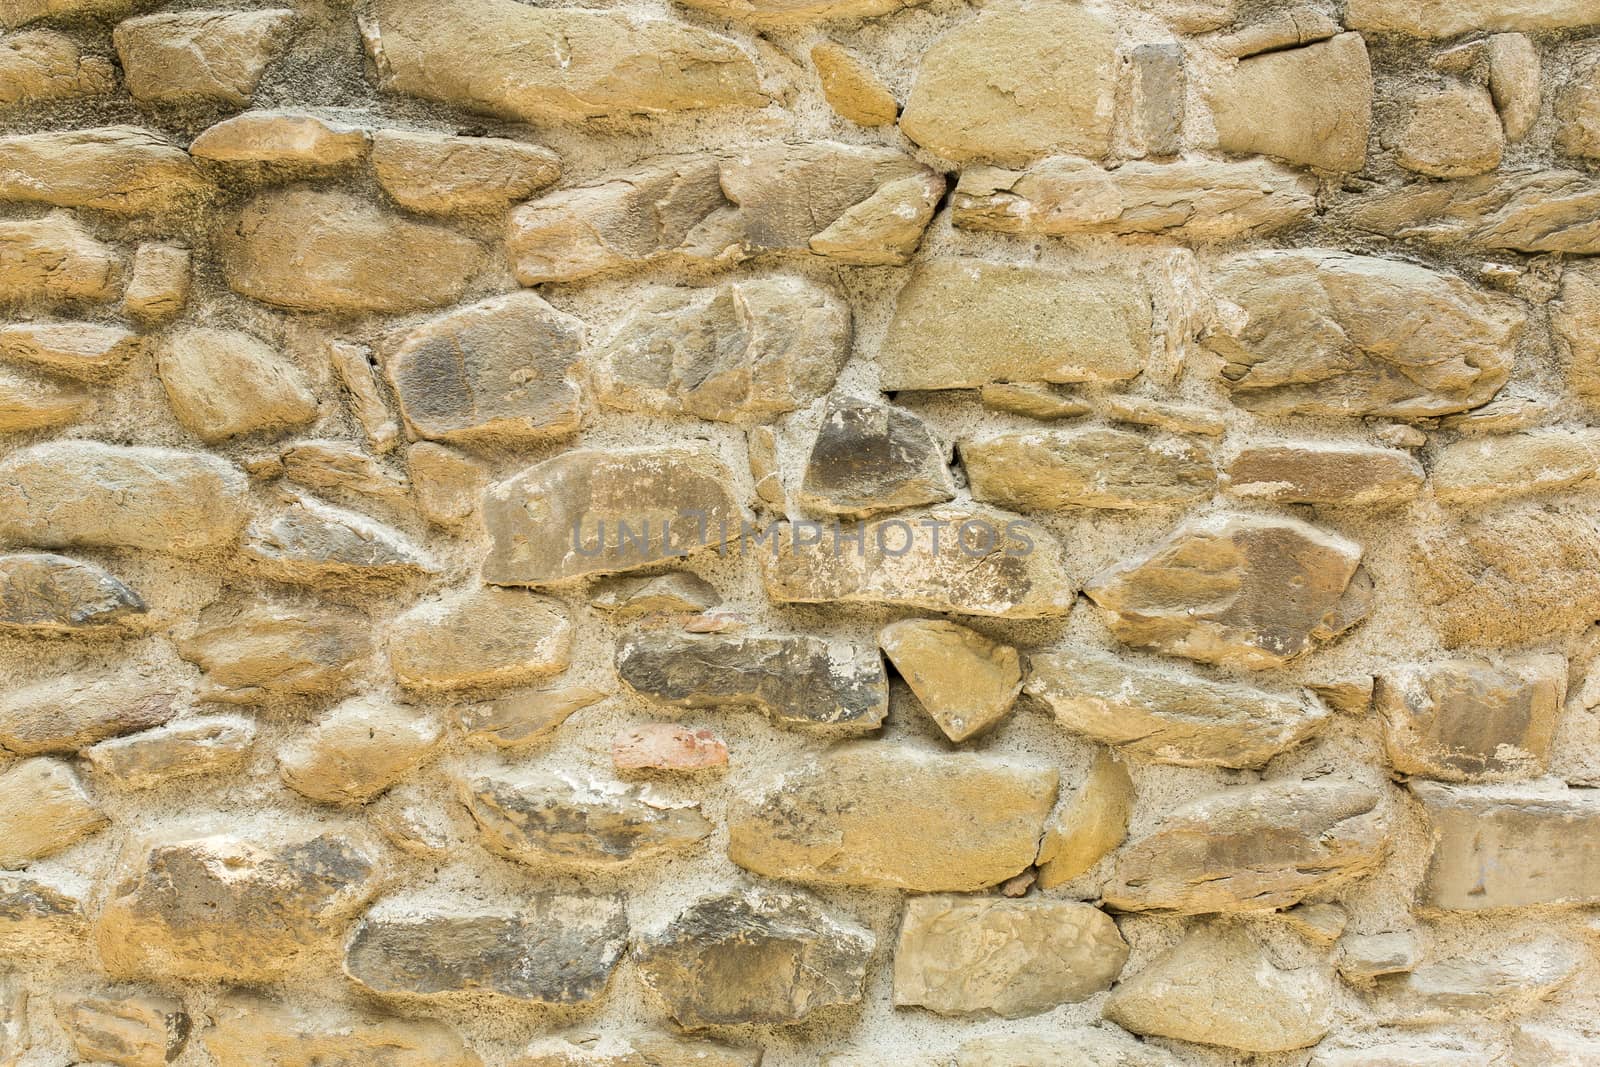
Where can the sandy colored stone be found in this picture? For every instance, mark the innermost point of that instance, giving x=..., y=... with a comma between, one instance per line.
x=519, y=720
x=1088, y=1046
x=314, y=544
x=1195, y=200
x=222, y=907
x=353, y=366
x=1491, y=985
x=551, y=821
x=634, y=1050
x=447, y=485
x=63, y=493
x=248, y=1031
x=1310, y=105
x=1522, y=209
x=1506, y=413
x=38, y=920
x=1315, y=472
x=742, y=352
x=869, y=457
x=1490, y=468
x=45, y=593
x=158, y=283
x=1252, y=848
x=55, y=260
x=356, y=751
x=1212, y=591
x=64, y=712
x=438, y=174
x=122, y=170
x=851, y=87
x=1514, y=82
x=1017, y=83
x=964, y=681
x=1170, y=716
x=224, y=383
x=1347, y=694
x=563, y=518
x=1314, y=332
x=30, y=403
x=1164, y=415
x=191, y=56
x=43, y=810
x=1450, y=133
x=40, y=65
x=662, y=746
x=1365, y=957
x=15, y=1037
x=1089, y=826
x=837, y=821
x=554, y=949
x=298, y=141
x=1554, y=1047
x=264, y=651
x=1219, y=986
x=1276, y=30
x=1044, y=470
x=325, y=250
x=797, y=681
x=1575, y=325
x=631, y=597
x=480, y=638
x=977, y=955
x=761, y=449
x=130, y=1030
x=203, y=744
x=339, y=467
x=756, y=956
x=1033, y=400
x=1448, y=18
x=83, y=350
x=961, y=323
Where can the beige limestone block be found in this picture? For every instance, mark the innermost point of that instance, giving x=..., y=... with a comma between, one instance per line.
x=356, y=751
x=297, y=141
x=1033, y=400
x=248, y=1031
x=1485, y=984
x=158, y=283
x=964, y=681
x=480, y=638
x=1526, y=209
x=224, y=383
x=628, y=597
x=188, y=56
x=1497, y=467
x=352, y=364
x=1514, y=71
x=1316, y=472
x=1089, y=826
x=267, y=651
x=851, y=87
x=446, y=484
x=30, y=403
x=339, y=467
x=43, y=810
x=1364, y=957
x=519, y=720
x=1450, y=133
x=1310, y=105
x=83, y=350
x=1448, y=18
x=1045, y=470
x=1575, y=324
x=314, y=544
x=438, y=174
x=121, y=170
x=38, y=921
x=40, y=65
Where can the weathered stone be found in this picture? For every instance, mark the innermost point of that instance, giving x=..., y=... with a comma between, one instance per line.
x=268, y=651
x=837, y=820
x=339, y=467
x=1219, y=986
x=519, y=720
x=1450, y=133
x=970, y=561
x=1310, y=105
x=1034, y=400
x=416, y=826
x=1448, y=18
x=297, y=142
x=1195, y=200
x=205, y=744
x=1508, y=412
x=1159, y=84
x=1448, y=1050
x=1170, y=717
x=660, y=746
x=442, y=175
x=353, y=366
x=499, y=370
x=634, y=1050
x=130, y=1031
x=1254, y=847
x=743, y=352
x=1482, y=987
x=1575, y=322
x=38, y=920
x=555, y=64
x=1043, y=470
x=64, y=713
x=753, y=957
x=1213, y=591
x=321, y=250
x=545, y=820
x=315, y=544
x=1474, y=471
x=1470, y=720
x=797, y=681
x=15, y=1037
x=964, y=681
x=223, y=383
x=1015, y=84
x=189, y=56
x=44, y=593
x=1090, y=826
x=1365, y=957
x=634, y=597
x=1514, y=82
x=481, y=638
x=851, y=87
x=356, y=751
x=1552, y=1047
x=158, y=283
x=966, y=955
x=447, y=484
x=669, y=502
x=553, y=949
x=1313, y=332
x=1098, y=1046
x=223, y=908
x=761, y=449
x=42, y=65
x=1539, y=210
x=247, y=1031
x=1320, y=924
x=1509, y=576
x=1313, y=472
x=63, y=493
x=869, y=457
x=962, y=323
x=1277, y=29
x=28, y=403
x=83, y=350
x=1348, y=694
x=54, y=260
x=123, y=170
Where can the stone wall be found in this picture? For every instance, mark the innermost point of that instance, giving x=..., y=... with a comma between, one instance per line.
x=840, y=531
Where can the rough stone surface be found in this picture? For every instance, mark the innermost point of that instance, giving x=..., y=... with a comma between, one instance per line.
x=66, y=712
x=296, y=142
x=38, y=919
x=1476, y=471
x=1090, y=825
x=1451, y=133
x=523, y=719
x=356, y=751
x=1042, y=470
x=439, y=175
x=447, y=485
x=121, y=170
x=1310, y=105
x=201, y=745
x=661, y=746
x=869, y=458
x=1493, y=985
x=223, y=383
x=312, y=543
x=1515, y=208
x=1310, y=472
x=270, y=651
x=131, y=1031
x=484, y=638
x=44, y=593
x=248, y=1031
x=964, y=681
x=217, y=56
x=1447, y=18
x=40, y=65
x=852, y=89
x=81, y=350
x=43, y=810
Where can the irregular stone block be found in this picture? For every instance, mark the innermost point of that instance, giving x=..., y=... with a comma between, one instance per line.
x=44, y=593
x=1090, y=826
x=1310, y=105
x=247, y=1031
x=447, y=485
x=438, y=174
x=1474, y=471
x=130, y=1030
x=63, y=713
x=41, y=65
x=835, y=821
x=546, y=820
x=224, y=383
x=851, y=87
x=1448, y=18
x=755, y=957
x=1450, y=133
x=38, y=920
x=521, y=719
x=1193, y=200
x=1213, y=591
x=295, y=142
x=1033, y=400
x=1315, y=472
x=629, y=598
x=1553, y=1047
x=1277, y=29
x=1467, y=720
x=743, y=352
x=1159, y=84
x=869, y=457
x=554, y=949
x=1364, y=957
x=189, y=56
x=339, y=467
x=356, y=751
x=1514, y=82
x=266, y=651
x=479, y=639
x=158, y=283
x=83, y=350
x=1523, y=210
x=1170, y=717
x=325, y=250
x=1044, y=470
x=1089, y=1046
x=661, y=746
x=962, y=323
x=637, y=1050
x=1253, y=848
x=205, y=744
x=968, y=955
x=1484, y=986
x=54, y=260
x=315, y=544
x=964, y=681
x=353, y=366
x=121, y=170
x=28, y=403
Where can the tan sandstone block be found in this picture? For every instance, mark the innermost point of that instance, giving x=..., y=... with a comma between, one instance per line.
x=297, y=141
x=43, y=810
x=1451, y=133
x=41, y=65
x=851, y=87
x=1090, y=826
x=247, y=1031
x=1310, y=105
x=55, y=260
x=1472, y=720
x=1046, y=470
x=131, y=1030
x=1315, y=472
x=181, y=57
x=438, y=174
x=963, y=680
x=1502, y=466
x=480, y=638
x=122, y=170
x=268, y=651
x=356, y=751
x=223, y=383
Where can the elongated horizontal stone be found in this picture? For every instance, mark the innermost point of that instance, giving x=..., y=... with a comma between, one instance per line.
x=1167, y=716
x=312, y=543
x=54, y=260
x=298, y=142
x=798, y=681
x=248, y=1031
x=83, y=350
x=836, y=821
x=480, y=639
x=188, y=57
x=356, y=751
x=123, y=170
x=1447, y=18
x=1472, y=720
x=1483, y=983
x=134, y=1029
x=1473, y=471
x=1312, y=472
x=204, y=744
x=961, y=323
x=266, y=651
x=63, y=713
x=1517, y=209
x=1252, y=848
x=969, y=561
x=438, y=174
x=45, y=593
x=30, y=403
x=523, y=719
x=1043, y=470
x=41, y=65
x=1193, y=200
